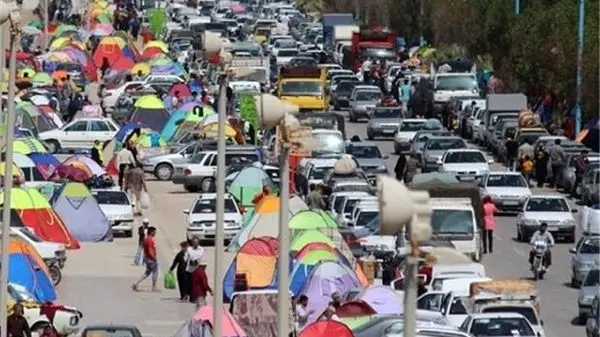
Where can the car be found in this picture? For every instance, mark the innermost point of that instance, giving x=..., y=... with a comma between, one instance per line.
x=202, y=216
x=498, y=324
x=568, y=173
x=593, y=322
x=302, y=61
x=435, y=331
x=421, y=137
x=590, y=287
x=341, y=96
x=383, y=325
x=163, y=166
x=80, y=133
x=118, y=208
x=509, y=190
x=554, y=210
x=64, y=319
x=584, y=257
x=406, y=132
x=466, y=164
x=110, y=96
x=285, y=55
x=363, y=98
x=384, y=122
x=369, y=158
x=49, y=251
x=435, y=148
x=111, y=330
x=590, y=186
x=335, y=80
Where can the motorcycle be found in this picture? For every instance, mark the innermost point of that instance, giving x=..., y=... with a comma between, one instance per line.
x=539, y=265
x=55, y=272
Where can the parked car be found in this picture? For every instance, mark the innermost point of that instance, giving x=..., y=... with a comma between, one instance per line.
x=434, y=149
x=554, y=210
x=509, y=190
x=363, y=98
x=584, y=257
x=421, y=137
x=118, y=208
x=498, y=324
x=568, y=173
x=590, y=187
x=49, y=251
x=80, y=133
x=589, y=289
x=593, y=322
x=382, y=325
x=110, y=96
x=466, y=164
x=163, y=166
x=406, y=132
x=384, y=122
x=202, y=217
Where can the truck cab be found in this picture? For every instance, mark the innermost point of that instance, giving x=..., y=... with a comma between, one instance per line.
x=375, y=42
x=448, y=85
x=304, y=87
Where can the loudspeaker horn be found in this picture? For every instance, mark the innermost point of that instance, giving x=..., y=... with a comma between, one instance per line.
x=271, y=111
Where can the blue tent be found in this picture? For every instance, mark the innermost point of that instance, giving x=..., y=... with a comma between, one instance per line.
x=80, y=211
x=126, y=130
x=24, y=270
x=176, y=117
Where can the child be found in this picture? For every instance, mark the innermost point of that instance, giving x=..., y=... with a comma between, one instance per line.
x=527, y=168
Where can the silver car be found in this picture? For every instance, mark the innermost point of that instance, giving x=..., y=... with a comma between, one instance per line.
x=584, y=257
x=162, y=166
x=422, y=137
x=406, y=132
x=550, y=209
x=363, y=98
x=568, y=174
x=589, y=289
x=509, y=190
x=434, y=149
x=383, y=122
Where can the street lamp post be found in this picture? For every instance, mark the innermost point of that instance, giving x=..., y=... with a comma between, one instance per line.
x=579, y=90
x=517, y=7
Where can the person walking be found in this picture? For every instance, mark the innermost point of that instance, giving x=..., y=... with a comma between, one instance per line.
x=489, y=212
x=581, y=165
x=125, y=160
x=96, y=152
x=150, y=260
x=200, y=287
x=541, y=166
x=512, y=149
x=193, y=257
x=557, y=162
x=412, y=165
x=179, y=264
x=142, y=230
x=314, y=199
x=525, y=150
x=16, y=323
x=135, y=185
x=527, y=169
x=399, y=168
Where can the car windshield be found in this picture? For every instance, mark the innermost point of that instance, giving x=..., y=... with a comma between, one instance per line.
x=449, y=221
x=412, y=126
x=445, y=144
x=329, y=143
x=250, y=74
x=365, y=217
x=590, y=246
x=111, y=198
x=464, y=157
x=301, y=88
x=467, y=82
x=592, y=278
x=364, y=95
x=424, y=137
x=207, y=206
x=108, y=332
x=339, y=78
x=318, y=173
x=287, y=52
x=506, y=180
x=350, y=204
x=527, y=312
x=529, y=138
x=364, y=151
x=387, y=113
x=352, y=188
x=501, y=327
x=546, y=205
x=346, y=86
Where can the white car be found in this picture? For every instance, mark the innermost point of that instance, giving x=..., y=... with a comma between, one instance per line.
x=498, y=324
x=554, y=210
x=49, y=251
x=118, y=208
x=467, y=164
x=66, y=319
x=202, y=217
x=406, y=132
x=508, y=190
x=110, y=96
x=284, y=56
x=80, y=133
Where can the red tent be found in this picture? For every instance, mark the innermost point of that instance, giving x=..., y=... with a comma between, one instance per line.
x=184, y=90
x=111, y=51
x=326, y=329
x=355, y=309
x=122, y=63
x=151, y=52
x=313, y=246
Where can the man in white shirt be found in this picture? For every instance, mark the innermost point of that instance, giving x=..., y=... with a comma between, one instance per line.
x=125, y=160
x=193, y=257
x=302, y=313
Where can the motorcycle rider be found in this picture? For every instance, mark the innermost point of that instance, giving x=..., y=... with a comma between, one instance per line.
x=542, y=234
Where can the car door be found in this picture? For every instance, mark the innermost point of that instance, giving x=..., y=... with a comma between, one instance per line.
x=75, y=134
x=431, y=301
x=98, y=130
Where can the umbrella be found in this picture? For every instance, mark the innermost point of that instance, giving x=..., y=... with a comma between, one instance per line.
x=141, y=67
x=157, y=44
x=41, y=79
x=213, y=129
x=149, y=102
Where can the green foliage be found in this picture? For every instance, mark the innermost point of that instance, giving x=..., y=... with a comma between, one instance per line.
x=248, y=110
x=157, y=20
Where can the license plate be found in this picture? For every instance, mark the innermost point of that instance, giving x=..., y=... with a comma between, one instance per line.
x=511, y=203
x=468, y=178
x=209, y=231
x=553, y=228
x=389, y=132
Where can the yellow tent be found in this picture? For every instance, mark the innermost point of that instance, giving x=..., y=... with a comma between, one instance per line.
x=157, y=44
x=16, y=170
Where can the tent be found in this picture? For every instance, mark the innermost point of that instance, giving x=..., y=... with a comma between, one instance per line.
x=265, y=221
x=150, y=111
x=326, y=329
x=93, y=167
x=309, y=236
x=248, y=183
x=81, y=213
x=311, y=219
x=384, y=300
x=37, y=214
x=27, y=268
x=28, y=145
x=304, y=265
x=257, y=259
x=325, y=279
x=229, y=328
x=191, y=113
x=256, y=312
x=44, y=163
x=355, y=313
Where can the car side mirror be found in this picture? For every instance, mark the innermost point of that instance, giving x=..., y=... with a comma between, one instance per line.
x=574, y=211
x=186, y=211
x=572, y=250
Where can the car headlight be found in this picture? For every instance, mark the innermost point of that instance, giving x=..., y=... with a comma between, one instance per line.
x=567, y=223
x=432, y=159
x=529, y=222
x=382, y=167
x=585, y=299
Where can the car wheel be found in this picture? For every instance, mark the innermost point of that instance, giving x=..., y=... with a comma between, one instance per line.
x=207, y=185
x=574, y=282
x=524, y=235
x=163, y=171
x=53, y=146
x=38, y=328
x=128, y=234
x=370, y=136
x=519, y=237
x=571, y=238
x=582, y=319
x=191, y=188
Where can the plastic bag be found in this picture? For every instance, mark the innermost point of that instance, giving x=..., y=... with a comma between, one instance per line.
x=169, y=280
x=144, y=200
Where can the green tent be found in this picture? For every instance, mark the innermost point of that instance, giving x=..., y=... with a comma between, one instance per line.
x=303, y=238
x=315, y=256
x=356, y=322
x=311, y=219
x=248, y=183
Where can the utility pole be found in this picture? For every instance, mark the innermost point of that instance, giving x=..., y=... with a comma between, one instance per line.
x=421, y=21
x=517, y=7
x=579, y=92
